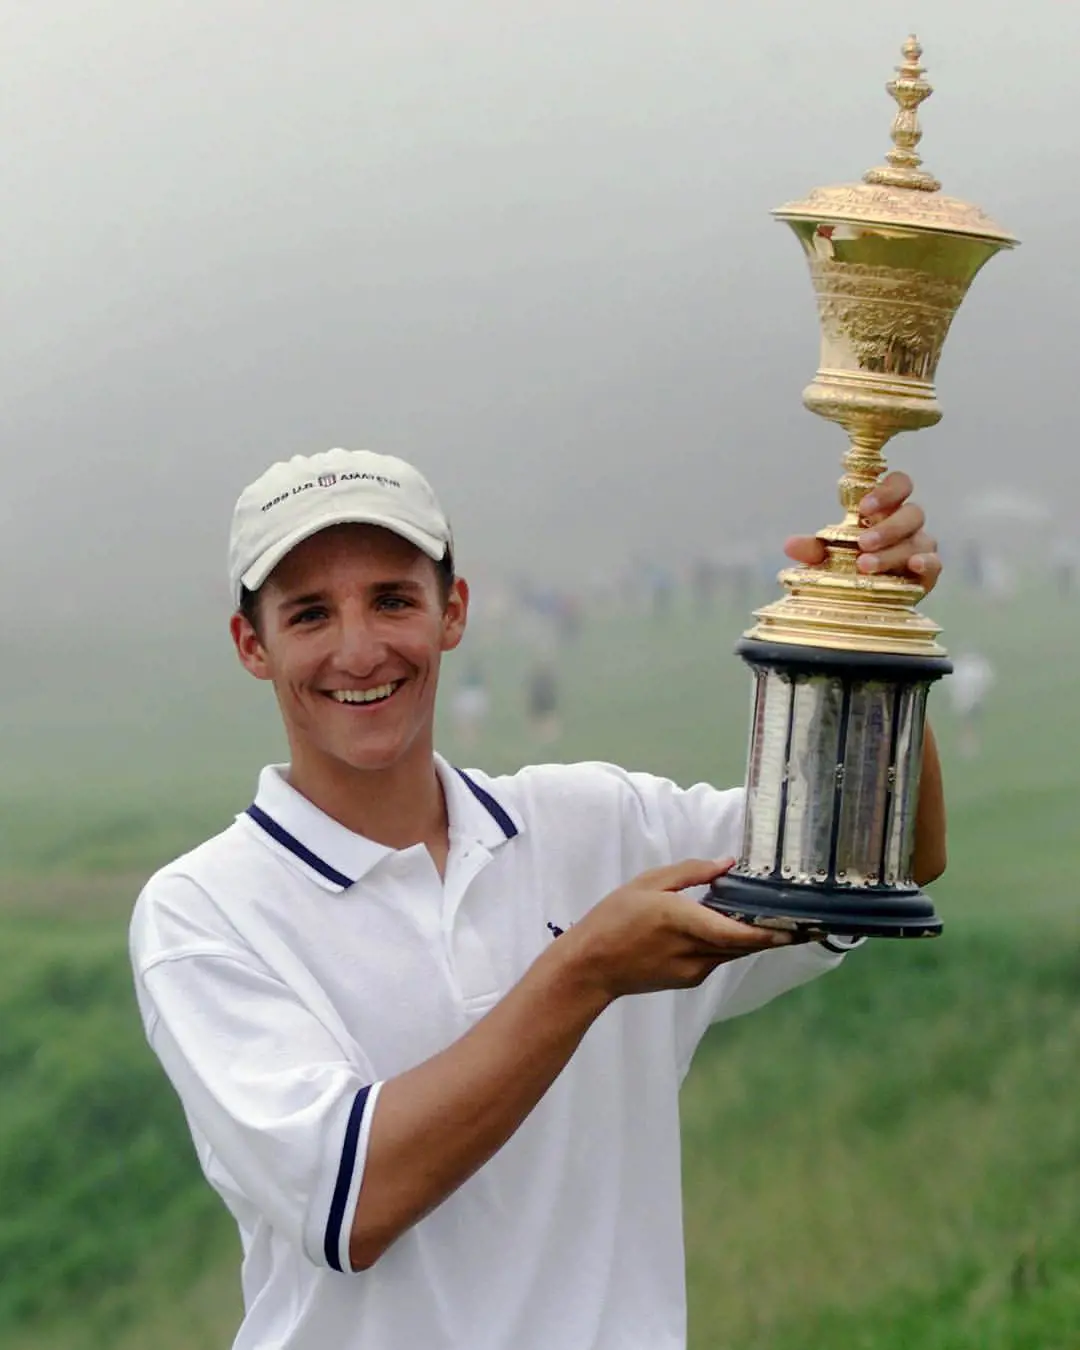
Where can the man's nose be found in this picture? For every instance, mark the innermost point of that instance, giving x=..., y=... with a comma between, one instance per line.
x=361, y=647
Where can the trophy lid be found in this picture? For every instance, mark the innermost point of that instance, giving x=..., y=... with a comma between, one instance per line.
x=899, y=192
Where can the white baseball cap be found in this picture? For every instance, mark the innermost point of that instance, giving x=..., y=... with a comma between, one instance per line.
x=297, y=498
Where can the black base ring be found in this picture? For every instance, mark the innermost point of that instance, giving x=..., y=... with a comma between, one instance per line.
x=820, y=911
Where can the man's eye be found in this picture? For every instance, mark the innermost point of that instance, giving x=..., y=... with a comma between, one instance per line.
x=393, y=602
x=310, y=615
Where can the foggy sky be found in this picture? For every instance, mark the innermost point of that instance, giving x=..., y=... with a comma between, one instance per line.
x=525, y=243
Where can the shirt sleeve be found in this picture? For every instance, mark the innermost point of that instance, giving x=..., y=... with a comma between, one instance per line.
x=277, y=1101
x=706, y=822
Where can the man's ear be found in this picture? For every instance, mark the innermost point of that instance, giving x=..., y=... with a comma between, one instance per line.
x=456, y=614
x=249, y=646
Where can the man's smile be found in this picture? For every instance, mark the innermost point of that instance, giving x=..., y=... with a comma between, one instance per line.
x=379, y=694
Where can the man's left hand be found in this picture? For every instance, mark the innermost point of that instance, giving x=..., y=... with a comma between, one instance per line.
x=893, y=540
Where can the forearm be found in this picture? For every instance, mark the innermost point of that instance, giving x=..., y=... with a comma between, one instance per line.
x=929, y=858
x=435, y=1125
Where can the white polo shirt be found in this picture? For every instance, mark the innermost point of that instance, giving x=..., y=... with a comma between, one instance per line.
x=288, y=967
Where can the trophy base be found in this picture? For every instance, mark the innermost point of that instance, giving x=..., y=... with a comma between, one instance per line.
x=823, y=911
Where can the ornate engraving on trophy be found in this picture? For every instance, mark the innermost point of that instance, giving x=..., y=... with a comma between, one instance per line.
x=885, y=320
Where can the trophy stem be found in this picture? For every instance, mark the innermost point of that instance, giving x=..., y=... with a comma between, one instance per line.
x=834, y=605
x=864, y=465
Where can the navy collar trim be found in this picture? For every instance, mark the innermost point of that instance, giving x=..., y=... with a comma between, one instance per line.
x=488, y=802
x=290, y=841
x=282, y=836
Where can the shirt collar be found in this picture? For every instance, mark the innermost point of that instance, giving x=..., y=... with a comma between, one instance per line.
x=334, y=856
x=475, y=812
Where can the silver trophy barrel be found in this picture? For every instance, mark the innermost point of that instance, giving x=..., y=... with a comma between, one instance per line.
x=866, y=774
x=832, y=791
x=900, y=841
x=810, y=809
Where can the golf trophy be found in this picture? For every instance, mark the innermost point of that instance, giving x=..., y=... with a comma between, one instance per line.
x=843, y=663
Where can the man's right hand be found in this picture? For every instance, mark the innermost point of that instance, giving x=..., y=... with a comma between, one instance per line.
x=645, y=936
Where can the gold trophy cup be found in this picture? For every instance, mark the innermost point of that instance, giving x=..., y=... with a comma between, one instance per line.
x=843, y=663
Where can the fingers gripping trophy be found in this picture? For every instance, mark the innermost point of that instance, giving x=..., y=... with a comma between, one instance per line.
x=843, y=663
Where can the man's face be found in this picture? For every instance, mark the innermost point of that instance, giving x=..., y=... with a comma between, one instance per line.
x=351, y=630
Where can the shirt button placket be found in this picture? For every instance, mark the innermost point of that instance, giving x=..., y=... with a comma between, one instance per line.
x=474, y=976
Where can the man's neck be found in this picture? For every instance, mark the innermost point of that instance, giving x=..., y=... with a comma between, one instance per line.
x=398, y=806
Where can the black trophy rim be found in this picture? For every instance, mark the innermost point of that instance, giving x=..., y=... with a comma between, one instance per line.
x=790, y=656
x=821, y=911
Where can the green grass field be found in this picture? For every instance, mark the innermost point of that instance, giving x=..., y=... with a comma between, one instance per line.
x=889, y=1158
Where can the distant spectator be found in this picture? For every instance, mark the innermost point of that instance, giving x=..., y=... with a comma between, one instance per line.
x=972, y=678
x=543, y=701
x=469, y=707
x=1065, y=568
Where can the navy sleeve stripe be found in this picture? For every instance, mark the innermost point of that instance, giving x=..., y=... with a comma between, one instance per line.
x=289, y=841
x=343, y=1184
x=500, y=816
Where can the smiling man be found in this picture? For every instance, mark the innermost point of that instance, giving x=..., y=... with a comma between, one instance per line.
x=429, y=1026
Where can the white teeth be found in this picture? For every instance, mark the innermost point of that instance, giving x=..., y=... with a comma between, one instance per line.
x=363, y=695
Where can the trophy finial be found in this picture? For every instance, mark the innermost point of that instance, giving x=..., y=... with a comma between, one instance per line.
x=909, y=89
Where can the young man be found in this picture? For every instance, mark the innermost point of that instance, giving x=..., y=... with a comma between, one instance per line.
x=429, y=1026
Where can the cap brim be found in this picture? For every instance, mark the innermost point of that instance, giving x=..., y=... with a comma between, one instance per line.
x=265, y=563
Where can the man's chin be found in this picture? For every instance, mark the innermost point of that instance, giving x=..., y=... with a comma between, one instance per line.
x=368, y=750
x=371, y=758
x=371, y=762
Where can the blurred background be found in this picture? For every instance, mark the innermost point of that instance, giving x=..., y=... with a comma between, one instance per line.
x=528, y=246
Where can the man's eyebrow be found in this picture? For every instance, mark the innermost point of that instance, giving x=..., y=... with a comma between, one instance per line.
x=290, y=601
x=404, y=584
x=377, y=587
